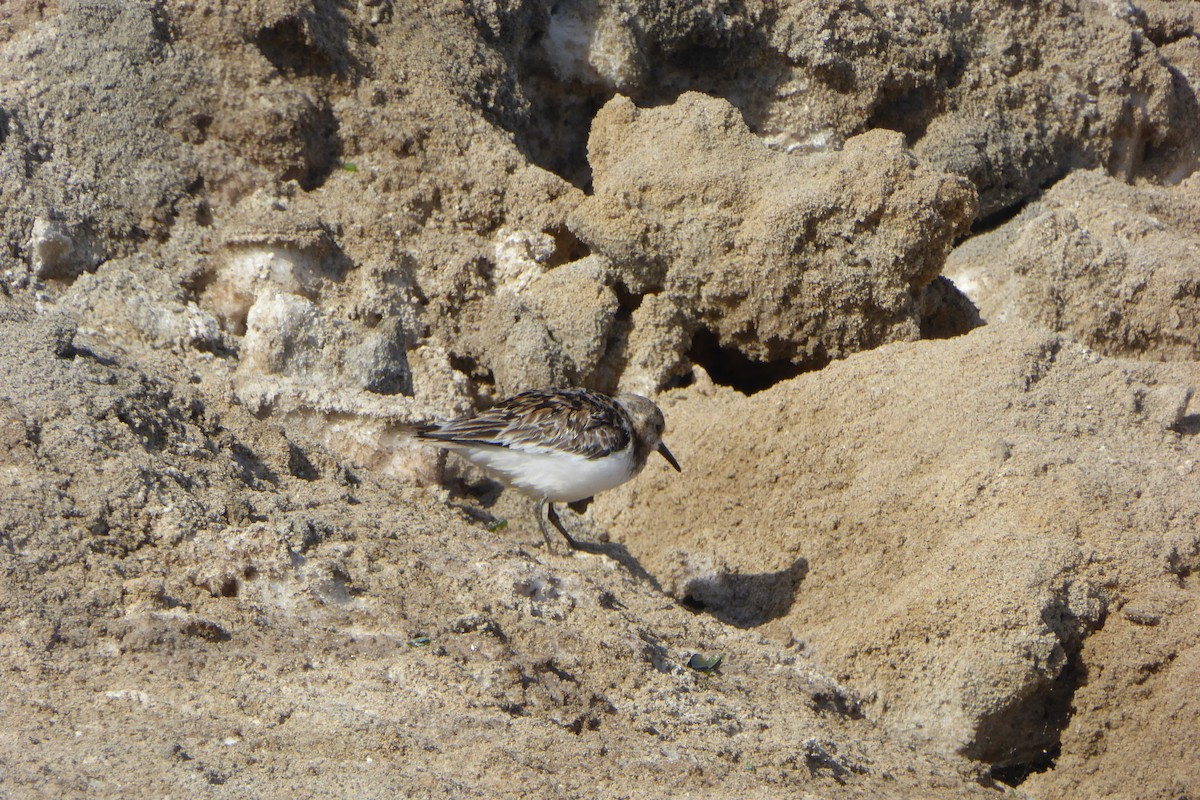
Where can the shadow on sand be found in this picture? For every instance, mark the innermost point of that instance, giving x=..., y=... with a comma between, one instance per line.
x=745, y=600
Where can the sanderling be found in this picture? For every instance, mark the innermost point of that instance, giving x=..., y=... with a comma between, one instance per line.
x=558, y=445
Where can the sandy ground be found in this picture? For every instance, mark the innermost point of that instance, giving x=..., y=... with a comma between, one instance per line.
x=917, y=289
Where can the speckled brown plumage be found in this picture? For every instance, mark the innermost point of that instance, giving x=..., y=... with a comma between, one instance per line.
x=544, y=420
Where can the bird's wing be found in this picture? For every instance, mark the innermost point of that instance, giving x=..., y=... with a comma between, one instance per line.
x=542, y=421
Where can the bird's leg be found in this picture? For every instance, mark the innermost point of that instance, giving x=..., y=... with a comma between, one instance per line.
x=553, y=515
x=541, y=518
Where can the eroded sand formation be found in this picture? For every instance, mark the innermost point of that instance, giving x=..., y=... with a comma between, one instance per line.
x=916, y=285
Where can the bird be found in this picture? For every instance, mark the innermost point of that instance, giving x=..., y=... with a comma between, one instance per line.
x=558, y=445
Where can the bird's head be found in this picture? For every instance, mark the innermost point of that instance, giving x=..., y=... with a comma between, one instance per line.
x=648, y=424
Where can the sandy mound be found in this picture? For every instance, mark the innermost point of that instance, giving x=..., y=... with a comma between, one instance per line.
x=1112, y=265
x=954, y=528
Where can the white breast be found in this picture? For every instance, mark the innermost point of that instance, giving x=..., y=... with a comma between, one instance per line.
x=557, y=477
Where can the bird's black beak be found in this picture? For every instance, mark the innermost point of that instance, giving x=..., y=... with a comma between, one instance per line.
x=662, y=448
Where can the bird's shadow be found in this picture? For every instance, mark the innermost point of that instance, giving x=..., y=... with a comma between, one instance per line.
x=615, y=550
x=620, y=554
x=741, y=600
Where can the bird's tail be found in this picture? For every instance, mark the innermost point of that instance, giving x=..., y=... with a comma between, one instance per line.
x=415, y=430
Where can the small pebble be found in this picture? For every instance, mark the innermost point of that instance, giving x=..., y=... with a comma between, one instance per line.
x=1140, y=615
